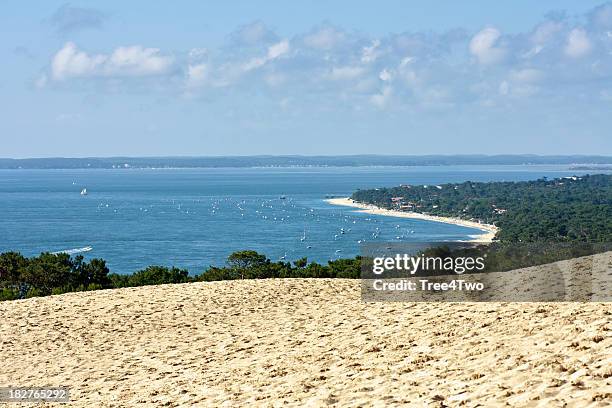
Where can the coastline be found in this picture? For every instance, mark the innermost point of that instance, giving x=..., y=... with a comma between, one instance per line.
x=489, y=230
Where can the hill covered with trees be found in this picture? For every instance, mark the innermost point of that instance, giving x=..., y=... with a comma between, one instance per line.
x=561, y=210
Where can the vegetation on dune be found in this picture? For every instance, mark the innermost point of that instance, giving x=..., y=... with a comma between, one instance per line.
x=48, y=274
x=570, y=209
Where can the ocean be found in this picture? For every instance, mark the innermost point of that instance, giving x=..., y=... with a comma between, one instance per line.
x=194, y=218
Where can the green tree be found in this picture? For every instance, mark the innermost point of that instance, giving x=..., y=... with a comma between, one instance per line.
x=158, y=275
x=48, y=271
x=11, y=264
x=247, y=262
x=89, y=273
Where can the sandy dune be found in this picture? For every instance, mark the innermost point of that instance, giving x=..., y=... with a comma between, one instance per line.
x=305, y=343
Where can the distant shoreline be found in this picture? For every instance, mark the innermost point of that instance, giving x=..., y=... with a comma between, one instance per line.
x=300, y=161
x=489, y=230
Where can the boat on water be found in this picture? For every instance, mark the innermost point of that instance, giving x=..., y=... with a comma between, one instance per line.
x=84, y=192
x=73, y=251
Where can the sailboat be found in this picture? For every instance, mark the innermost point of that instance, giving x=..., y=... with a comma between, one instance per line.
x=303, y=236
x=84, y=192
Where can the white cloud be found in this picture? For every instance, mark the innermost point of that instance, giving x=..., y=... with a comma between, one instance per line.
x=370, y=53
x=325, y=38
x=542, y=36
x=278, y=49
x=69, y=62
x=197, y=54
x=136, y=60
x=418, y=69
x=197, y=75
x=483, y=46
x=578, y=43
x=406, y=61
x=535, y=50
x=385, y=75
x=274, y=51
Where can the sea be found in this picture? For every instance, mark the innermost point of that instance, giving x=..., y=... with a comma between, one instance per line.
x=195, y=218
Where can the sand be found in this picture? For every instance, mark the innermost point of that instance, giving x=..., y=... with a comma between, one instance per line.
x=489, y=230
x=305, y=342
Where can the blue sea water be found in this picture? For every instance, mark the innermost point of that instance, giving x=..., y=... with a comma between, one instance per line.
x=193, y=218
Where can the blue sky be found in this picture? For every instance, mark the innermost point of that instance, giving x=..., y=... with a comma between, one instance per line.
x=269, y=77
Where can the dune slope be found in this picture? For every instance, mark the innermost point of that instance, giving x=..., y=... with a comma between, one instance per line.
x=304, y=342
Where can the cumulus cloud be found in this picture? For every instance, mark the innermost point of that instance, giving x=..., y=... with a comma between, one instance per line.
x=578, y=43
x=371, y=53
x=385, y=75
x=324, y=38
x=485, y=46
x=70, y=62
x=197, y=54
x=197, y=75
x=278, y=49
x=68, y=18
x=274, y=52
x=420, y=70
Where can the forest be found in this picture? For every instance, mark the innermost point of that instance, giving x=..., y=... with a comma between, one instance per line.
x=569, y=209
x=52, y=274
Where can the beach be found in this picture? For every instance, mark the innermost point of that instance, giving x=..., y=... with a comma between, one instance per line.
x=489, y=230
x=305, y=342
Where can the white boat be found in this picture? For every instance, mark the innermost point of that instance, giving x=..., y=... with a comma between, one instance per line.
x=84, y=192
x=73, y=251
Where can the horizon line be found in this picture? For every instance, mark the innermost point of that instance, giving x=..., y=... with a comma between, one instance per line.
x=238, y=156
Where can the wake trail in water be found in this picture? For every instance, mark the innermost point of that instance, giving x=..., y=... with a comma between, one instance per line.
x=73, y=251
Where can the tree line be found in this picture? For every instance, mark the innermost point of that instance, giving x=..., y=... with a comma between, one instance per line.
x=569, y=209
x=50, y=274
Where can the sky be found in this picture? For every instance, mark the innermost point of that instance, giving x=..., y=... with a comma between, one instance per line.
x=200, y=78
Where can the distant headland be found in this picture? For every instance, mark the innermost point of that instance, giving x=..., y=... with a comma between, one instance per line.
x=299, y=161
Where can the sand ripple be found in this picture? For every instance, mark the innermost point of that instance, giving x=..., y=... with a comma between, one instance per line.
x=304, y=343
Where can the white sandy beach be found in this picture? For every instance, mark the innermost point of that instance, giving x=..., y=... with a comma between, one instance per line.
x=307, y=342
x=489, y=230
